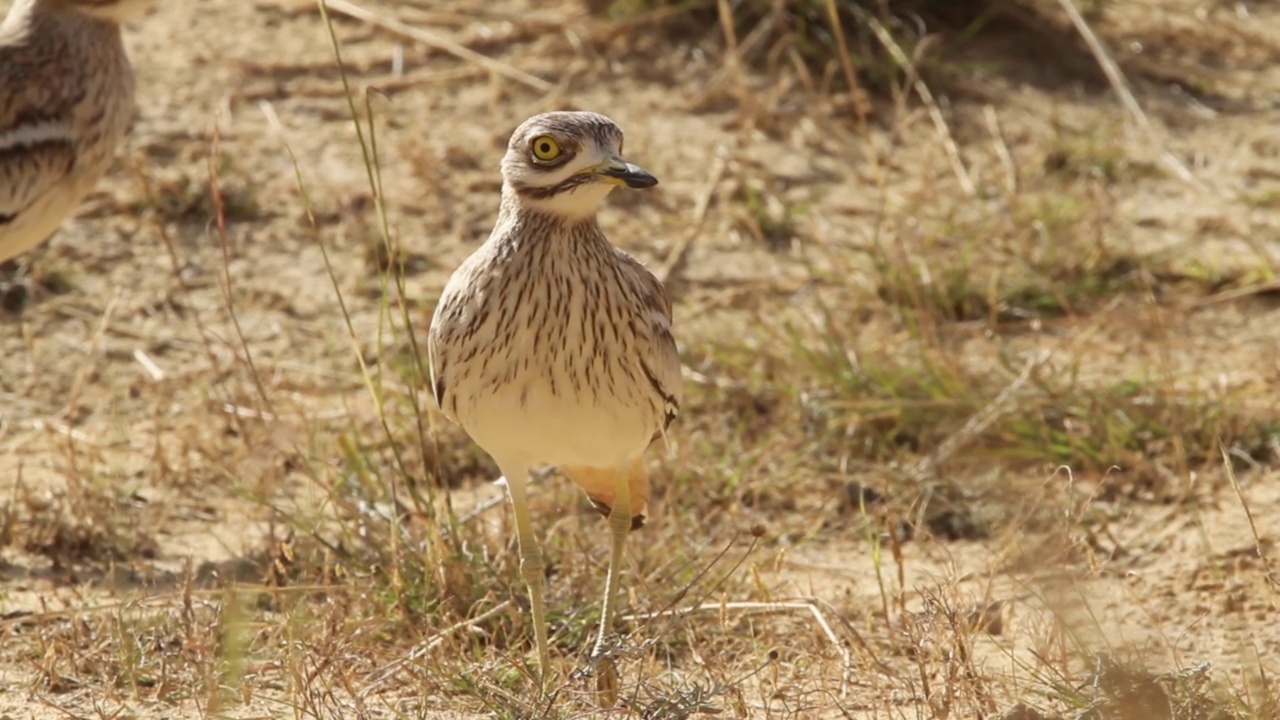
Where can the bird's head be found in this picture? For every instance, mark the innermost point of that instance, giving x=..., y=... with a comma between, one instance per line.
x=565, y=163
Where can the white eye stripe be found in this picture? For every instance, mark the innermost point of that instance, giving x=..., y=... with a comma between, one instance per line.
x=34, y=134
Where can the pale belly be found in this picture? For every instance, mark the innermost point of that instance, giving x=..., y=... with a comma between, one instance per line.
x=38, y=222
x=525, y=422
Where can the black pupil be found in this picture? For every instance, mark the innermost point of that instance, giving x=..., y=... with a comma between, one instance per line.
x=545, y=148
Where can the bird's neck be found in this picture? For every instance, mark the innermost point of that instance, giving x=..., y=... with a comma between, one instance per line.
x=554, y=215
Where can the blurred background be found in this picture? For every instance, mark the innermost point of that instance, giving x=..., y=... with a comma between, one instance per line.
x=977, y=304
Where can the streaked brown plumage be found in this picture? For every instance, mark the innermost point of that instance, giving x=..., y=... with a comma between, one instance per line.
x=552, y=347
x=66, y=99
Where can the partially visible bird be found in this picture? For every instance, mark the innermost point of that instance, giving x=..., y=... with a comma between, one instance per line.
x=66, y=100
x=550, y=346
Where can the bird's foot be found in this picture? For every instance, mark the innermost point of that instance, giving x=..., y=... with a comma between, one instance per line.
x=13, y=296
x=606, y=672
x=15, y=287
x=603, y=672
x=604, y=669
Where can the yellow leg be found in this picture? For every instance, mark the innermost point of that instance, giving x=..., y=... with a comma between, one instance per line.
x=619, y=526
x=530, y=566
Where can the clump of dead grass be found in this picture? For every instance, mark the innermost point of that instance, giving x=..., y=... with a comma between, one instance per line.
x=86, y=523
x=383, y=586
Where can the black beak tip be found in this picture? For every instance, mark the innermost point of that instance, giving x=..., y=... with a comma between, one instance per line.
x=641, y=179
x=633, y=175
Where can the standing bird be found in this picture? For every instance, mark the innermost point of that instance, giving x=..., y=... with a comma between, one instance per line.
x=66, y=99
x=550, y=346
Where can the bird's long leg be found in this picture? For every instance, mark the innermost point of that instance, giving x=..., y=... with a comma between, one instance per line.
x=619, y=526
x=530, y=564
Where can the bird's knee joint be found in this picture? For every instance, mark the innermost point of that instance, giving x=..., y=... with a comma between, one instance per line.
x=620, y=522
x=531, y=566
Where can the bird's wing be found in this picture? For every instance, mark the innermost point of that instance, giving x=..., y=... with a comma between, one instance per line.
x=450, y=313
x=37, y=142
x=33, y=159
x=659, y=357
x=435, y=360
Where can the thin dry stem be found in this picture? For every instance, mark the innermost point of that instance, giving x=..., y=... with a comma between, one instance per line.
x=1121, y=88
x=430, y=39
x=676, y=256
x=935, y=113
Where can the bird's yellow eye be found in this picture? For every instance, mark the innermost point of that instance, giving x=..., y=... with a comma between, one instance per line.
x=545, y=148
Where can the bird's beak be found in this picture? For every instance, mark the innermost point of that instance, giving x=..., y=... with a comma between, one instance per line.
x=620, y=172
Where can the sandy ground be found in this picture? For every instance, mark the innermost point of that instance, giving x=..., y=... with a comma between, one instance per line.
x=133, y=379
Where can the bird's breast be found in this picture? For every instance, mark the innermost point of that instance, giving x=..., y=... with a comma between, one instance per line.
x=548, y=360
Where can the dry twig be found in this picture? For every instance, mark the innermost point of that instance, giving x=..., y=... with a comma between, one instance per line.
x=1121, y=89
x=935, y=112
x=675, y=258
x=440, y=43
x=390, y=669
x=806, y=604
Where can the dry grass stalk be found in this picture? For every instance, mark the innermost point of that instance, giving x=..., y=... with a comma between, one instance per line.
x=433, y=40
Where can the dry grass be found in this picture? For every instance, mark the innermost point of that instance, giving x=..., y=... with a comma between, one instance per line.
x=980, y=418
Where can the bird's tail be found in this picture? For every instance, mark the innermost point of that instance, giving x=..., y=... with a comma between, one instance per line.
x=600, y=485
